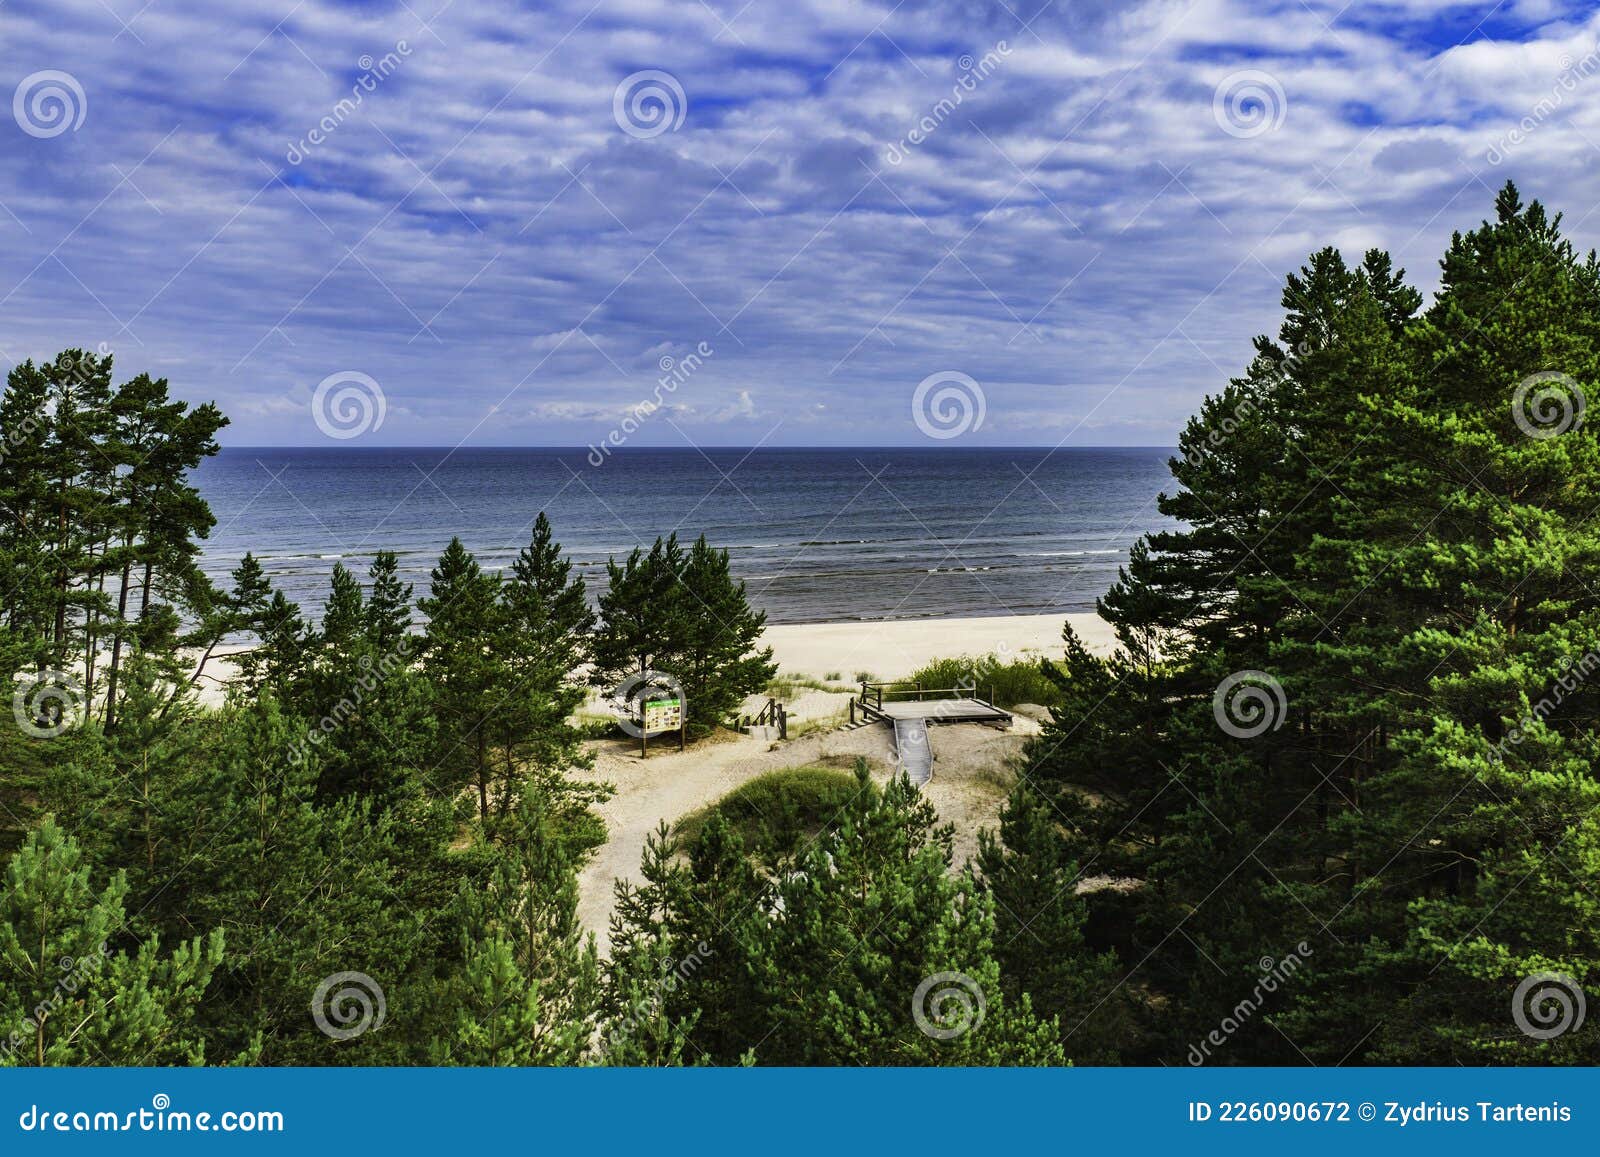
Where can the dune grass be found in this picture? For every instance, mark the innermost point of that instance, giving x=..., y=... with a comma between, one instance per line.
x=776, y=813
x=1010, y=683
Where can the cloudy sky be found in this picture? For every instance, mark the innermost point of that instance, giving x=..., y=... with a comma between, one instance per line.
x=509, y=223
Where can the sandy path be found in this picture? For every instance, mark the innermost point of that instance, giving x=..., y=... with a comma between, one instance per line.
x=969, y=781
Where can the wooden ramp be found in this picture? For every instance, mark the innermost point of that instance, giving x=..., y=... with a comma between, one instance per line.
x=912, y=750
x=911, y=718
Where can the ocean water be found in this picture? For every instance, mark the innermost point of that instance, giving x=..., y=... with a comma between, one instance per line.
x=819, y=535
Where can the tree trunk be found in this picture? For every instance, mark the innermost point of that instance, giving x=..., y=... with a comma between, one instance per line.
x=144, y=592
x=483, y=779
x=116, y=650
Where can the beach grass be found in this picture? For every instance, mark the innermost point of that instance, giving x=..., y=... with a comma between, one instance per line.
x=785, y=687
x=1004, y=683
x=776, y=813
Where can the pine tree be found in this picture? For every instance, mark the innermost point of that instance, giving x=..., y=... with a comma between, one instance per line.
x=71, y=993
x=639, y=613
x=546, y=623
x=715, y=656
x=640, y=1025
x=1039, y=931
x=1466, y=543
x=25, y=438
x=460, y=659
x=160, y=516
x=1375, y=539
x=303, y=890
x=683, y=617
x=530, y=988
x=242, y=609
x=387, y=615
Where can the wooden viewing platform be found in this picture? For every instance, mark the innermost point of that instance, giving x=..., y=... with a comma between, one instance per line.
x=910, y=708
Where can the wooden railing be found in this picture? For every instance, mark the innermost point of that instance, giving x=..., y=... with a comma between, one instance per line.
x=774, y=714
x=873, y=694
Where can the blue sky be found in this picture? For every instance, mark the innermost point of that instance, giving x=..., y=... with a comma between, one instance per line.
x=496, y=245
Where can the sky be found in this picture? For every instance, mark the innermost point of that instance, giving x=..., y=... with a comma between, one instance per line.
x=721, y=222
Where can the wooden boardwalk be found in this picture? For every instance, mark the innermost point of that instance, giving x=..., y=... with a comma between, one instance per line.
x=942, y=711
x=911, y=719
x=912, y=751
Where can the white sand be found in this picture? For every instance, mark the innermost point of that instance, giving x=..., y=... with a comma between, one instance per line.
x=891, y=650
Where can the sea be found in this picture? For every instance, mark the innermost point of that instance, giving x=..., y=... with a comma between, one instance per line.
x=818, y=535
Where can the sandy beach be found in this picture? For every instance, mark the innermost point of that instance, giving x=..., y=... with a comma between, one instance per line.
x=888, y=649
x=895, y=648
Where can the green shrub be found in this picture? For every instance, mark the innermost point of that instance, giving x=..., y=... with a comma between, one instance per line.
x=777, y=813
x=1009, y=683
x=597, y=726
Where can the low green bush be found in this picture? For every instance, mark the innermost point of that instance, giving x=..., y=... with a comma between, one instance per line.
x=1010, y=683
x=777, y=813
